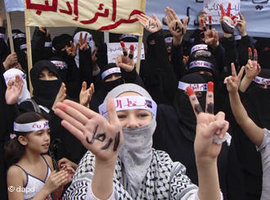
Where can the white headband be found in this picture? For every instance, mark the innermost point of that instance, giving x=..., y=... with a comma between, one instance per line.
x=131, y=103
x=198, y=47
x=20, y=35
x=168, y=39
x=48, y=44
x=30, y=127
x=261, y=81
x=201, y=63
x=23, y=46
x=110, y=71
x=123, y=36
x=197, y=87
x=59, y=64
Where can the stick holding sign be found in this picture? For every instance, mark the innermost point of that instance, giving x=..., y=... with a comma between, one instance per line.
x=11, y=43
x=11, y=6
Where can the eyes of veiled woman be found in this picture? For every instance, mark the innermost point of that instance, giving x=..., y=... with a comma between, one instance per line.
x=139, y=114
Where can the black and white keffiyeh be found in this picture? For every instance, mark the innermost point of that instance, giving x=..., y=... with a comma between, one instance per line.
x=164, y=179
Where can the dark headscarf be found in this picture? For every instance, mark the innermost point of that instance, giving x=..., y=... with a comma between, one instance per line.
x=263, y=54
x=128, y=38
x=204, y=54
x=44, y=91
x=59, y=42
x=19, y=41
x=184, y=108
x=109, y=85
x=258, y=101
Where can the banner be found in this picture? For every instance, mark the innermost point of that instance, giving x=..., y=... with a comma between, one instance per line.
x=256, y=13
x=14, y=5
x=114, y=49
x=116, y=16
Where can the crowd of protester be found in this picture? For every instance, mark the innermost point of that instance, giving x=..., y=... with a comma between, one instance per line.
x=192, y=124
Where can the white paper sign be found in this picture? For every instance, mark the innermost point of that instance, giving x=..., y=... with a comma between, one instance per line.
x=14, y=5
x=114, y=49
x=212, y=7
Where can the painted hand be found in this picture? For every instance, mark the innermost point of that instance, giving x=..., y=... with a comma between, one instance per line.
x=150, y=24
x=208, y=127
x=101, y=136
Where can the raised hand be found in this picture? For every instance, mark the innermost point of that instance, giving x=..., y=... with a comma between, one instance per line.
x=64, y=162
x=94, y=56
x=125, y=60
x=44, y=30
x=202, y=20
x=56, y=180
x=252, y=67
x=10, y=61
x=232, y=82
x=70, y=171
x=177, y=28
x=227, y=21
x=94, y=60
x=150, y=24
x=83, y=43
x=14, y=89
x=211, y=37
x=86, y=94
x=208, y=127
x=72, y=50
x=241, y=25
x=61, y=95
x=101, y=136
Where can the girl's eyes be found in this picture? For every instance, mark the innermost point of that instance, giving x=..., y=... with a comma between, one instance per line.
x=121, y=116
x=142, y=115
x=139, y=115
x=39, y=133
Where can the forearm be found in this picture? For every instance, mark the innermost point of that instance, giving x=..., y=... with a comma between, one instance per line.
x=102, y=184
x=208, y=181
x=177, y=40
x=239, y=112
x=254, y=132
x=245, y=82
x=42, y=195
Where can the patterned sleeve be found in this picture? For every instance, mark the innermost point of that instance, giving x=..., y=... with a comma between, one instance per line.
x=180, y=185
x=80, y=188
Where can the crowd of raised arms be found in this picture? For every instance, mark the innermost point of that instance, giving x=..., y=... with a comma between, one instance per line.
x=192, y=124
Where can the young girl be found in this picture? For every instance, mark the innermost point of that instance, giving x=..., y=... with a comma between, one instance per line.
x=136, y=170
x=31, y=174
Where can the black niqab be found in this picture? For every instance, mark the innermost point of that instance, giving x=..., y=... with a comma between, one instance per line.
x=184, y=109
x=44, y=92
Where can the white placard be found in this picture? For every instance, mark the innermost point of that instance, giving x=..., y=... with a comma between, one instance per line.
x=114, y=49
x=14, y=5
x=212, y=7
